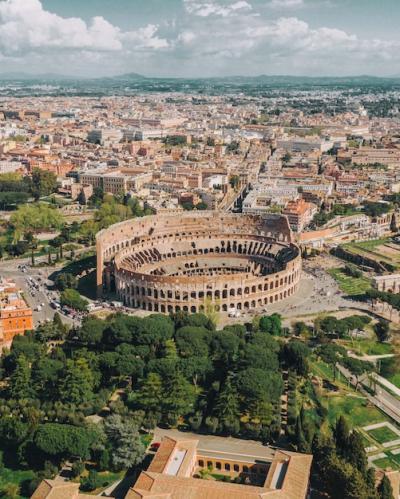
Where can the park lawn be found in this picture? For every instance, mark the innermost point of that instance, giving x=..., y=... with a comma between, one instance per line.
x=15, y=476
x=325, y=371
x=370, y=245
x=355, y=410
x=105, y=479
x=322, y=369
x=370, y=249
x=369, y=347
x=366, y=439
x=395, y=379
x=383, y=434
x=146, y=439
x=350, y=285
x=385, y=462
x=377, y=348
x=221, y=478
x=395, y=458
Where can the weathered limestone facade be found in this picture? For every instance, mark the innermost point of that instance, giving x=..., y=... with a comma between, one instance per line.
x=166, y=263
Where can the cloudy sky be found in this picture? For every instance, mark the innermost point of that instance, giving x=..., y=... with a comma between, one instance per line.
x=200, y=37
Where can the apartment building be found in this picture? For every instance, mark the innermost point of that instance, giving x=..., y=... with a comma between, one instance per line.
x=15, y=314
x=299, y=213
x=174, y=473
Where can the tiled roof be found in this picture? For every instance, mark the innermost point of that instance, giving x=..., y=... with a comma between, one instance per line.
x=57, y=489
x=155, y=483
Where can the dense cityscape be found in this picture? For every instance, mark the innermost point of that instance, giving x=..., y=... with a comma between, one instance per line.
x=199, y=275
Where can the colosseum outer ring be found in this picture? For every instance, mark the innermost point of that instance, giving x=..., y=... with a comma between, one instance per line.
x=179, y=261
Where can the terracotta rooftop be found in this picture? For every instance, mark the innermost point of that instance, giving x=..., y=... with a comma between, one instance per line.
x=287, y=477
x=57, y=489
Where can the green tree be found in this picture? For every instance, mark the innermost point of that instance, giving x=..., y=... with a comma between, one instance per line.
x=271, y=324
x=234, y=181
x=227, y=408
x=46, y=373
x=10, y=491
x=296, y=355
x=225, y=348
x=124, y=438
x=382, y=330
x=73, y=299
x=66, y=280
x=77, y=385
x=393, y=224
x=150, y=395
x=65, y=440
x=91, y=482
x=385, y=490
x=35, y=217
x=43, y=183
x=356, y=453
x=20, y=381
x=91, y=331
x=301, y=442
x=179, y=397
x=193, y=341
x=342, y=436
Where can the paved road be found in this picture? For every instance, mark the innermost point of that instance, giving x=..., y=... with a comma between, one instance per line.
x=383, y=381
x=318, y=292
x=34, y=296
x=382, y=399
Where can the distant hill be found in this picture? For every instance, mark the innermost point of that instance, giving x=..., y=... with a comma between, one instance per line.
x=20, y=83
x=21, y=76
x=125, y=77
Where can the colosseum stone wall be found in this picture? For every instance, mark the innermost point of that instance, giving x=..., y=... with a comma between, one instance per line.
x=166, y=263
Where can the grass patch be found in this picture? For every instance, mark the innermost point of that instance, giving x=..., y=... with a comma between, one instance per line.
x=356, y=410
x=383, y=434
x=367, y=442
x=146, y=439
x=350, y=285
x=105, y=479
x=395, y=379
x=368, y=245
x=385, y=462
x=17, y=477
x=395, y=458
x=322, y=369
x=368, y=347
x=221, y=478
x=325, y=371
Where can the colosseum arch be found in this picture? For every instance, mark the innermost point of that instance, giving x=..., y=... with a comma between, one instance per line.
x=172, y=262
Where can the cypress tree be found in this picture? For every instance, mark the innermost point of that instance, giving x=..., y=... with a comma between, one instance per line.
x=342, y=434
x=20, y=382
x=356, y=453
x=385, y=490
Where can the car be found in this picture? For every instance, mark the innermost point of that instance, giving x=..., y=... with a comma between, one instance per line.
x=234, y=313
x=155, y=446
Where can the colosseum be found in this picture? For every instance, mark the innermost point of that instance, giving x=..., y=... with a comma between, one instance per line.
x=182, y=260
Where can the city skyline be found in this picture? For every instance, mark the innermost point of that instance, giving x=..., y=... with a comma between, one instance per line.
x=199, y=38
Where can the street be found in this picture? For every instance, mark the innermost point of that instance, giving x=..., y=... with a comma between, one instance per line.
x=32, y=284
x=382, y=399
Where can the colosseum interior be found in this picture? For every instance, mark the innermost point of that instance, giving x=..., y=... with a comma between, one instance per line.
x=179, y=261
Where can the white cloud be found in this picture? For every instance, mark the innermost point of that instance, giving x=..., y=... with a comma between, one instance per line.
x=203, y=8
x=25, y=25
x=186, y=37
x=286, y=4
x=251, y=44
x=211, y=37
